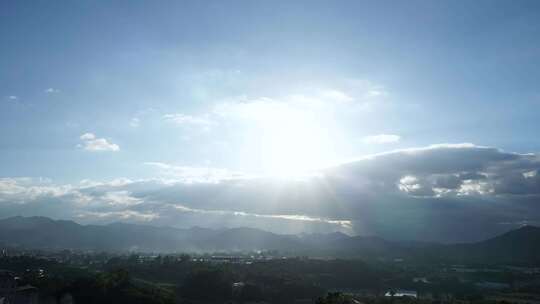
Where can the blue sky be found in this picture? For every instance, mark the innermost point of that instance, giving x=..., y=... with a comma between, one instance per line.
x=213, y=90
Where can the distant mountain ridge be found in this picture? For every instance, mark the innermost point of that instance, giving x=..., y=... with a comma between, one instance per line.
x=517, y=246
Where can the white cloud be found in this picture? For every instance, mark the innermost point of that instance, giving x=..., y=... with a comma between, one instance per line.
x=374, y=93
x=308, y=102
x=290, y=217
x=138, y=117
x=530, y=174
x=88, y=136
x=135, y=122
x=13, y=97
x=28, y=189
x=415, y=187
x=336, y=95
x=124, y=215
x=52, y=90
x=474, y=187
x=260, y=109
x=441, y=186
x=189, y=174
x=366, y=89
x=92, y=143
x=319, y=104
x=117, y=182
x=120, y=198
x=183, y=119
x=381, y=139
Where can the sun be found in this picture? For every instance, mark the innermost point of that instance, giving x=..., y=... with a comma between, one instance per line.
x=294, y=147
x=286, y=139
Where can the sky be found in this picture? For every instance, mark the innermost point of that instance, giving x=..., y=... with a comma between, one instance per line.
x=403, y=119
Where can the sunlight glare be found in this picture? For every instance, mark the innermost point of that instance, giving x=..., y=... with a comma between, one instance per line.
x=294, y=146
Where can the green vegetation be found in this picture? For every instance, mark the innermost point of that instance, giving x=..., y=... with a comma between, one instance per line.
x=102, y=278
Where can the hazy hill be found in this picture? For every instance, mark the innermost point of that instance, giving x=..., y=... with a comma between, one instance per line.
x=517, y=246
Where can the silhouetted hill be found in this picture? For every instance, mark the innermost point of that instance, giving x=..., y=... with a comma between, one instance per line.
x=517, y=246
x=323, y=238
x=241, y=239
x=44, y=233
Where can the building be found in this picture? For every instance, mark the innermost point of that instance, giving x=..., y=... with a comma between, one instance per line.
x=401, y=293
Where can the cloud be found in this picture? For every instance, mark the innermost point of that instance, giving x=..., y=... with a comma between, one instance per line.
x=260, y=109
x=125, y=215
x=131, y=201
x=141, y=115
x=52, y=91
x=183, y=119
x=92, y=143
x=306, y=118
x=413, y=186
x=135, y=122
x=366, y=90
x=120, y=198
x=291, y=217
x=337, y=96
x=27, y=189
x=13, y=97
x=381, y=139
x=309, y=101
x=444, y=192
x=189, y=174
x=309, y=110
x=453, y=170
x=374, y=93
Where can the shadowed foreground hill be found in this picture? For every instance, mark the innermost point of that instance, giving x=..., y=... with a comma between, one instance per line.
x=521, y=246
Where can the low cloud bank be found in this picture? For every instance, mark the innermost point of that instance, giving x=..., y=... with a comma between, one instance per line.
x=448, y=192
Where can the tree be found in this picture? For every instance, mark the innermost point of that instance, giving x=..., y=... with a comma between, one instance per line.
x=198, y=284
x=335, y=298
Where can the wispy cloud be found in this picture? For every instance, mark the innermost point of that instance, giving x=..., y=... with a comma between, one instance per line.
x=92, y=143
x=137, y=119
x=125, y=215
x=381, y=139
x=291, y=217
x=52, y=90
x=189, y=174
x=135, y=122
x=184, y=119
x=336, y=95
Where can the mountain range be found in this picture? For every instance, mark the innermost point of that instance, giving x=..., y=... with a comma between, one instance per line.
x=520, y=246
